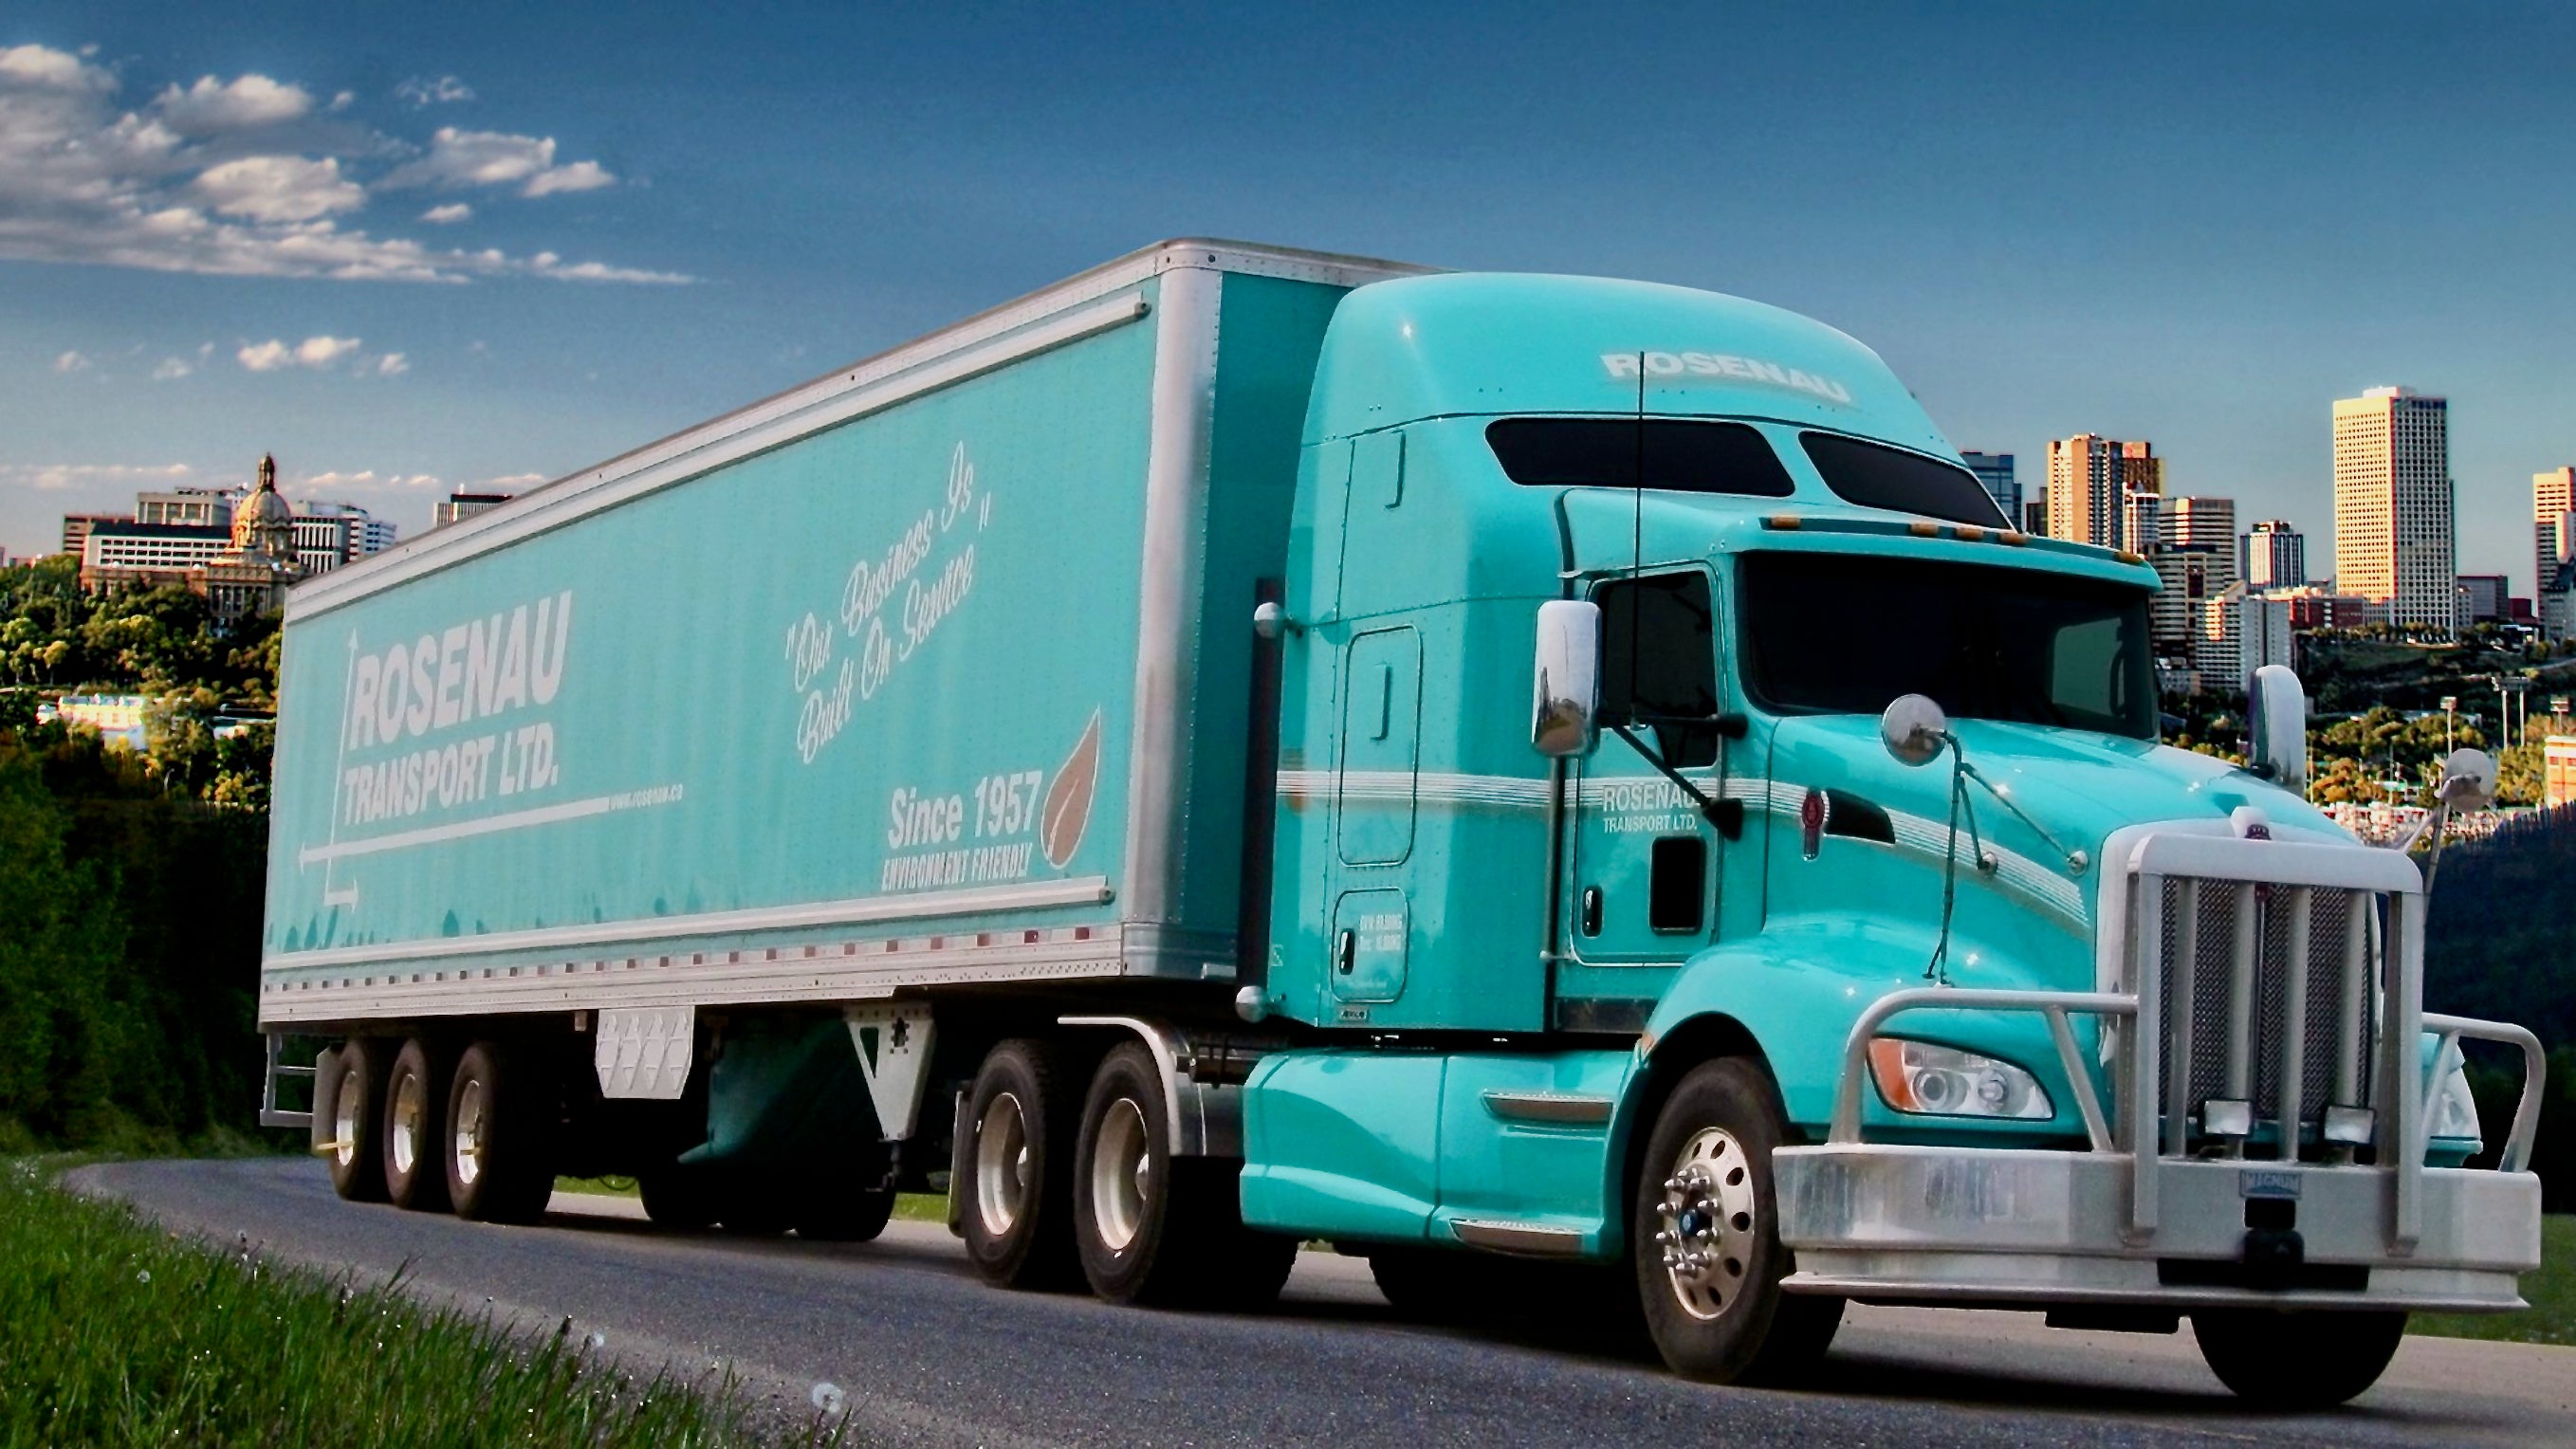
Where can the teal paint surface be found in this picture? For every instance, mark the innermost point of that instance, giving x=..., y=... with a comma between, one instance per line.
x=850, y=668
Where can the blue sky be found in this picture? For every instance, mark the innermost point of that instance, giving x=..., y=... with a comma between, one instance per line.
x=492, y=243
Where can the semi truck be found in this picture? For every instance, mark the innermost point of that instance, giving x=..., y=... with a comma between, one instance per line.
x=1547, y=783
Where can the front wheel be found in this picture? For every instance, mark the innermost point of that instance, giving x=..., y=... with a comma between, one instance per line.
x=1708, y=1255
x=2284, y=1359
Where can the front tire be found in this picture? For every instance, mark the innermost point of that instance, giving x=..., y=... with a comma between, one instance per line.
x=2289, y=1360
x=356, y=1152
x=1705, y=1225
x=501, y=1115
x=415, y=1136
x=1019, y=1179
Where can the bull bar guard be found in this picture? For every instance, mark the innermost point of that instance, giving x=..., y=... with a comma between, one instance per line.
x=2138, y=1217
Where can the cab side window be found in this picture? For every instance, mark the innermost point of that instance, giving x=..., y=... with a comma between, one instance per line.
x=1659, y=663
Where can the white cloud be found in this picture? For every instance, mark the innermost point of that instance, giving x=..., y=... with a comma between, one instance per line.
x=53, y=477
x=509, y=483
x=392, y=364
x=171, y=369
x=365, y=480
x=71, y=362
x=212, y=106
x=273, y=355
x=459, y=158
x=280, y=188
x=445, y=90
x=84, y=182
x=448, y=215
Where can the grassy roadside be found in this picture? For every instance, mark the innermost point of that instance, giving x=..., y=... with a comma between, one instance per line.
x=2551, y=1293
x=112, y=1333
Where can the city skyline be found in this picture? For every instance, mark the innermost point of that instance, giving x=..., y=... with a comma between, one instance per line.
x=731, y=209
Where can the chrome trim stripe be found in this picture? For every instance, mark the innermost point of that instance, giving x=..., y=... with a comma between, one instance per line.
x=1551, y=1109
x=1508, y=1237
x=1081, y=891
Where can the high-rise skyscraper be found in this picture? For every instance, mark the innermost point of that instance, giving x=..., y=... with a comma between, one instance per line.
x=2394, y=540
x=2090, y=479
x=2197, y=522
x=2553, y=497
x=2273, y=555
x=1995, y=470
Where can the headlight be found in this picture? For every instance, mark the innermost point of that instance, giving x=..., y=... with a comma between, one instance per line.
x=1941, y=1081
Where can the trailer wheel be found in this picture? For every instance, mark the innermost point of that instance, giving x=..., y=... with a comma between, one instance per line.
x=501, y=1113
x=415, y=1127
x=1018, y=1191
x=1706, y=1234
x=677, y=1197
x=1154, y=1228
x=2290, y=1360
x=356, y=1153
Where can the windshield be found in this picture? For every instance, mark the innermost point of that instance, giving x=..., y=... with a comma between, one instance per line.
x=1843, y=634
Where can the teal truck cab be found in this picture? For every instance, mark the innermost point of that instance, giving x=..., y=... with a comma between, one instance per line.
x=1612, y=792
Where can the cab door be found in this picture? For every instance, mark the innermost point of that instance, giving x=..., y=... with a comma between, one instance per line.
x=1642, y=876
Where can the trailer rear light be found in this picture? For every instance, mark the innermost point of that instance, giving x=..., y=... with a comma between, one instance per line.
x=1941, y=1081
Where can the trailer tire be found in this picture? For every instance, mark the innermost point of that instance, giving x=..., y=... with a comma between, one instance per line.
x=1023, y=1111
x=415, y=1134
x=501, y=1116
x=845, y=1215
x=1723, y=1320
x=1157, y=1229
x=356, y=1155
x=2279, y=1359
x=677, y=1197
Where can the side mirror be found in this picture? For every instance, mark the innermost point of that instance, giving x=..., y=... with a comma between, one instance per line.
x=2468, y=780
x=2276, y=710
x=1566, y=697
x=1914, y=729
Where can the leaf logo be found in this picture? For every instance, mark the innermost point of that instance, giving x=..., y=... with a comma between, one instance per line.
x=1067, y=811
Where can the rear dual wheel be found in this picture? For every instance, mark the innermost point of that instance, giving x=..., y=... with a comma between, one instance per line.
x=501, y=1116
x=415, y=1131
x=1018, y=1190
x=1154, y=1228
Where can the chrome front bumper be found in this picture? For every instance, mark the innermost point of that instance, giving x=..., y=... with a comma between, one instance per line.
x=1986, y=1226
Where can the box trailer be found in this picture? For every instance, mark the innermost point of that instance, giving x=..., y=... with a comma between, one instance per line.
x=1248, y=746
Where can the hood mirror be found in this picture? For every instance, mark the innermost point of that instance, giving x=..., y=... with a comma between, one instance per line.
x=2468, y=780
x=1914, y=729
x=2276, y=711
x=1566, y=694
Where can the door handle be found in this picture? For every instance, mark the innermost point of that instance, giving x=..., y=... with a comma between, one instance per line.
x=1592, y=910
x=1345, y=951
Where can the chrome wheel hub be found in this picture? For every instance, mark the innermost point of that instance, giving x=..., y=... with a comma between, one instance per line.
x=410, y=1105
x=344, y=1120
x=1001, y=1164
x=469, y=1133
x=1708, y=1224
x=1121, y=1167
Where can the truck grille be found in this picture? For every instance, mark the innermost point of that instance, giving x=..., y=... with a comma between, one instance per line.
x=2238, y=985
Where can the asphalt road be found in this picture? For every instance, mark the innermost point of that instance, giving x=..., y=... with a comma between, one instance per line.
x=926, y=1354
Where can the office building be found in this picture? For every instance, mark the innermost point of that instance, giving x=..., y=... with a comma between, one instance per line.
x=2482, y=600
x=2187, y=578
x=457, y=507
x=120, y=553
x=191, y=507
x=2261, y=629
x=2034, y=514
x=2197, y=522
x=1995, y=471
x=2553, y=498
x=2090, y=479
x=2273, y=555
x=2394, y=541
x=77, y=526
x=328, y=535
